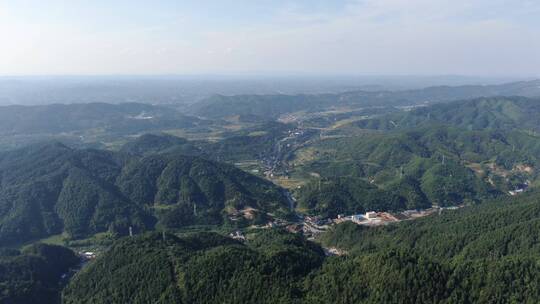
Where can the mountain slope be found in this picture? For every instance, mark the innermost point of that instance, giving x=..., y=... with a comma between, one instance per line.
x=49, y=189
x=480, y=254
x=503, y=113
x=116, y=118
x=450, y=165
x=489, y=251
x=272, y=106
x=33, y=275
x=201, y=268
x=503, y=228
x=330, y=197
x=250, y=143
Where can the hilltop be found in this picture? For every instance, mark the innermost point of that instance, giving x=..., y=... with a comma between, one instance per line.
x=500, y=113
x=49, y=189
x=467, y=256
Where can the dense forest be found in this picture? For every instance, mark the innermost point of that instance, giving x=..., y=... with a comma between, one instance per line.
x=498, y=113
x=489, y=251
x=482, y=254
x=49, y=189
x=33, y=275
x=447, y=165
x=199, y=268
x=346, y=195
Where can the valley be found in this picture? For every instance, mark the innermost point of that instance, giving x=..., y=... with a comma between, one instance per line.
x=293, y=190
x=270, y=152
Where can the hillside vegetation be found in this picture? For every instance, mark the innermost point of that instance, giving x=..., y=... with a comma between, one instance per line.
x=330, y=197
x=272, y=106
x=482, y=254
x=50, y=189
x=114, y=118
x=490, y=250
x=446, y=165
x=250, y=143
x=200, y=268
x=33, y=275
x=499, y=113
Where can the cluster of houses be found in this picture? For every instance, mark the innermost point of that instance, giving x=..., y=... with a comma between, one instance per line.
x=370, y=218
x=311, y=226
x=87, y=255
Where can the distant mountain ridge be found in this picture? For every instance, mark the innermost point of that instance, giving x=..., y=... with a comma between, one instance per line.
x=502, y=113
x=115, y=118
x=273, y=106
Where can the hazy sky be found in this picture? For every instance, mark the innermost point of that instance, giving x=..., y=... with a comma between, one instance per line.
x=465, y=37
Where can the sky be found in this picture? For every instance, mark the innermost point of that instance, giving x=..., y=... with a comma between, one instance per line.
x=302, y=37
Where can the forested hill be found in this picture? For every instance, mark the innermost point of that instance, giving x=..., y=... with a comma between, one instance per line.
x=482, y=254
x=412, y=169
x=504, y=228
x=48, y=189
x=489, y=252
x=200, y=268
x=272, y=106
x=114, y=118
x=246, y=144
x=504, y=113
x=33, y=275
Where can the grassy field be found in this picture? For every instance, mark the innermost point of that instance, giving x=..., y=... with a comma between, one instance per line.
x=57, y=239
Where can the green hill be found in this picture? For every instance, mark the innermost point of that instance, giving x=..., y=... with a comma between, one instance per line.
x=448, y=165
x=201, y=268
x=253, y=142
x=49, y=189
x=330, y=197
x=273, y=267
x=491, y=249
x=96, y=125
x=114, y=118
x=503, y=113
x=480, y=254
x=33, y=275
x=504, y=227
x=272, y=106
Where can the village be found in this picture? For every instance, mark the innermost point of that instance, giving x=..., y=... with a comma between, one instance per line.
x=313, y=226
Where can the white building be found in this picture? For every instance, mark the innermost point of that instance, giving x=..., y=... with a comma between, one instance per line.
x=371, y=215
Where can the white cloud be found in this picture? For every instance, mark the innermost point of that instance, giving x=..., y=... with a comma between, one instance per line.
x=368, y=36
